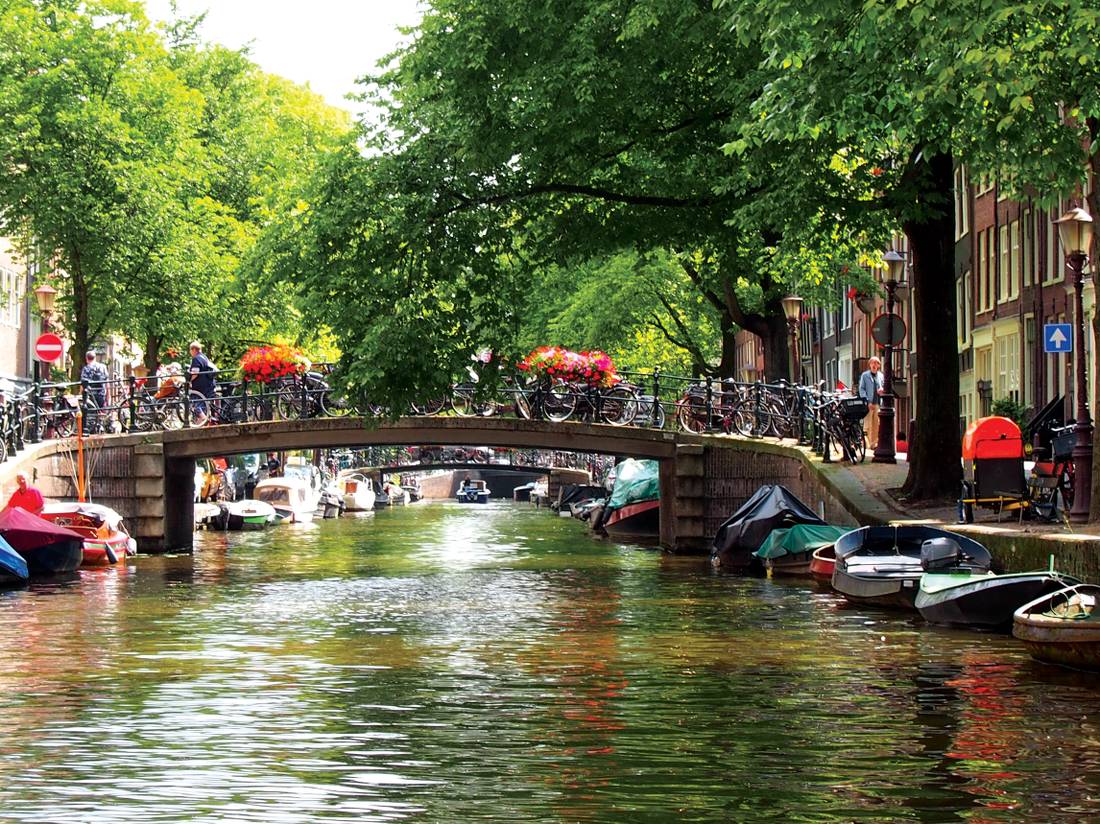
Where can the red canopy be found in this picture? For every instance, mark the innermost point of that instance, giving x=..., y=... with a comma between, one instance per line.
x=993, y=437
x=26, y=531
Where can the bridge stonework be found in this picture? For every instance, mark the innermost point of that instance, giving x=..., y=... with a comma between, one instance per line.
x=149, y=478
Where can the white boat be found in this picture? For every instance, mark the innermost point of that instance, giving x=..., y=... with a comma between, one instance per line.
x=358, y=492
x=293, y=499
x=250, y=514
x=397, y=495
x=473, y=492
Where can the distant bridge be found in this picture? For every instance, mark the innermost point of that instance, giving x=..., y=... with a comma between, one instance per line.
x=149, y=477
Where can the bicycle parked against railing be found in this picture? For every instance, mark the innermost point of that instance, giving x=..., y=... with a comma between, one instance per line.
x=713, y=407
x=616, y=405
x=842, y=418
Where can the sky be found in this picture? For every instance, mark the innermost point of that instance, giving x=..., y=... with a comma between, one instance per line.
x=325, y=43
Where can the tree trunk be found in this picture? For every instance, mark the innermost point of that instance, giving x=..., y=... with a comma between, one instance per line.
x=935, y=470
x=777, y=351
x=727, y=366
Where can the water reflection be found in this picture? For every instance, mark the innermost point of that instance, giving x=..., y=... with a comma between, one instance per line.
x=445, y=663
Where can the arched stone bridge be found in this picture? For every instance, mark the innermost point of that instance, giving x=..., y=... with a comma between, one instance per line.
x=149, y=477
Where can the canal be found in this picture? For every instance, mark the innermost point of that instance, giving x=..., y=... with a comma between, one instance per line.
x=444, y=662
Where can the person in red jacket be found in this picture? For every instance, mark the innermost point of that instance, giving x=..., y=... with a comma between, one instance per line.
x=26, y=497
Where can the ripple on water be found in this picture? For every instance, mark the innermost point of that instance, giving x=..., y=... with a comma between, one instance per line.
x=447, y=663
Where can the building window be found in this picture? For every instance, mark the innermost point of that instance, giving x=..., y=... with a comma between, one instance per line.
x=845, y=310
x=962, y=203
x=1003, y=270
x=1007, y=380
x=962, y=307
x=11, y=284
x=1015, y=267
x=1027, y=250
x=985, y=270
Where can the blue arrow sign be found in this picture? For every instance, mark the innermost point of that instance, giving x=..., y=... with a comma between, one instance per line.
x=1057, y=338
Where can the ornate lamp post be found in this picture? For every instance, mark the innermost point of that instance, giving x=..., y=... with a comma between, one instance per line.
x=1075, y=232
x=792, y=311
x=896, y=289
x=46, y=297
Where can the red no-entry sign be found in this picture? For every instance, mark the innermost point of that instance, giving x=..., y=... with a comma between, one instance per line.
x=48, y=347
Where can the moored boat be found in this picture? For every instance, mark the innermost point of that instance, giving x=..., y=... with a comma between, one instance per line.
x=882, y=565
x=249, y=514
x=48, y=548
x=292, y=499
x=982, y=599
x=1062, y=627
x=789, y=551
x=13, y=566
x=822, y=564
x=633, y=509
x=771, y=507
x=106, y=539
x=358, y=492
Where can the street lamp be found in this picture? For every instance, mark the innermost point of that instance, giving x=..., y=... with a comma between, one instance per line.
x=46, y=296
x=1075, y=232
x=792, y=311
x=896, y=289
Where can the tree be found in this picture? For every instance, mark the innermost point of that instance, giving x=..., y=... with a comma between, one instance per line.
x=96, y=150
x=519, y=135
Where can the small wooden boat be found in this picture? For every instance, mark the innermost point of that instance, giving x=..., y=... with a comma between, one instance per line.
x=822, y=564
x=883, y=565
x=106, y=539
x=1062, y=627
x=249, y=514
x=982, y=599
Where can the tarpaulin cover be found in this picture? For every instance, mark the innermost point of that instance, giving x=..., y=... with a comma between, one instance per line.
x=798, y=538
x=12, y=562
x=772, y=506
x=26, y=531
x=635, y=481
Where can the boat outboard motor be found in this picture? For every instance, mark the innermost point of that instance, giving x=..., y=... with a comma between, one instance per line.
x=940, y=553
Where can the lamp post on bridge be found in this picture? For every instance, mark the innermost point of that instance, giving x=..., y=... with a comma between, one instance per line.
x=1075, y=232
x=792, y=311
x=896, y=289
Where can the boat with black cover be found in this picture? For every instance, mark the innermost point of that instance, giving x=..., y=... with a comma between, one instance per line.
x=771, y=507
x=883, y=565
x=982, y=599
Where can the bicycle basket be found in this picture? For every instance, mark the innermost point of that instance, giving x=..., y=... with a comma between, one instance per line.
x=1062, y=445
x=853, y=409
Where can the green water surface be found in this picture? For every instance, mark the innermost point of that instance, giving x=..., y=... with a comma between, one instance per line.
x=444, y=662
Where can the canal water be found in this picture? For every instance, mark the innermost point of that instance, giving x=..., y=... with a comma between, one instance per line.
x=445, y=663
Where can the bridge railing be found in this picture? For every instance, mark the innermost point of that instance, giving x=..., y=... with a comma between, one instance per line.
x=641, y=399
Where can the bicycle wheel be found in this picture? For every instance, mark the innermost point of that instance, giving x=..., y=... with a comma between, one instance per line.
x=618, y=406
x=200, y=411
x=260, y=408
x=334, y=406
x=690, y=415
x=463, y=401
x=522, y=405
x=559, y=402
x=289, y=402
x=858, y=439
x=432, y=406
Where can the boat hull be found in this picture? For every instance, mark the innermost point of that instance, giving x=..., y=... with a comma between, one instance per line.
x=1076, y=646
x=640, y=521
x=51, y=559
x=894, y=592
x=822, y=564
x=293, y=516
x=95, y=553
x=986, y=602
x=791, y=566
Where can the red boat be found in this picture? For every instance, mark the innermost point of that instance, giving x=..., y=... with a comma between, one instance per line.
x=106, y=540
x=822, y=564
x=640, y=521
